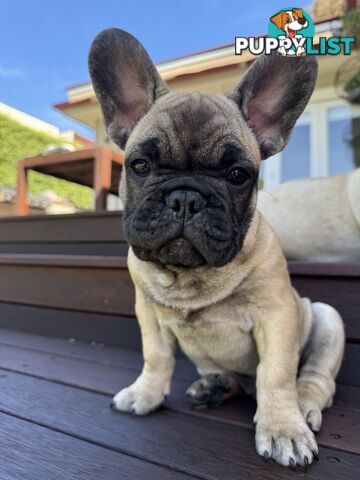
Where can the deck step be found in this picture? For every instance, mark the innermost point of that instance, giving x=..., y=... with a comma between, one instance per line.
x=101, y=285
x=92, y=284
x=79, y=234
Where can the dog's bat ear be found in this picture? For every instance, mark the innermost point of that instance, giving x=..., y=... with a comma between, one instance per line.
x=125, y=81
x=272, y=95
x=279, y=20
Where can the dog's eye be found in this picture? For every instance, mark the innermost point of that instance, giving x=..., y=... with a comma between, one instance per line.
x=288, y=19
x=238, y=176
x=140, y=166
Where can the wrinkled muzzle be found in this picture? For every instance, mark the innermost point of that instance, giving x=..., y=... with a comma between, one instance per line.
x=183, y=223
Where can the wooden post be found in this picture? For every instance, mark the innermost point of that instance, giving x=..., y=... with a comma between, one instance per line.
x=102, y=176
x=350, y=5
x=22, y=205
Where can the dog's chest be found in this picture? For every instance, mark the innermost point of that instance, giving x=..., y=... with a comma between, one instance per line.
x=218, y=336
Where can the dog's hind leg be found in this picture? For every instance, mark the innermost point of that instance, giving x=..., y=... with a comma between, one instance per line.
x=320, y=363
x=211, y=389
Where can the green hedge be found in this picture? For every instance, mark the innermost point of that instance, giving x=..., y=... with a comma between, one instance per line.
x=18, y=141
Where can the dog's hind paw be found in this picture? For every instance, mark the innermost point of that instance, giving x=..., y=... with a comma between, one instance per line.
x=210, y=390
x=311, y=413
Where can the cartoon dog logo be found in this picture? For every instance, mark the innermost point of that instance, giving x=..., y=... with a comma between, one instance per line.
x=291, y=22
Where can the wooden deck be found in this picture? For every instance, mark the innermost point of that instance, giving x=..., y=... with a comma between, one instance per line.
x=65, y=277
x=56, y=422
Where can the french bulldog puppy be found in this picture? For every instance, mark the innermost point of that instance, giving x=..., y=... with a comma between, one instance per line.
x=316, y=219
x=208, y=270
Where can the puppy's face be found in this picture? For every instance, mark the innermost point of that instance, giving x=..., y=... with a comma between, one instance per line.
x=192, y=160
x=191, y=173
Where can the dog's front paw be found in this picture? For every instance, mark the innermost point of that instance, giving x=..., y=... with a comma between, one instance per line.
x=285, y=438
x=137, y=399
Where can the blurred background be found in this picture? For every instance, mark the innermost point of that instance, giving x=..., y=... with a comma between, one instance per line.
x=48, y=110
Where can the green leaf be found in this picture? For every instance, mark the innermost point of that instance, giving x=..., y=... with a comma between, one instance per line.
x=18, y=141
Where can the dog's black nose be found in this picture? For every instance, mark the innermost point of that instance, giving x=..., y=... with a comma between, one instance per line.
x=302, y=20
x=185, y=203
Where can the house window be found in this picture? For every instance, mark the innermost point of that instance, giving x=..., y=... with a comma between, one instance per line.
x=295, y=159
x=325, y=141
x=343, y=140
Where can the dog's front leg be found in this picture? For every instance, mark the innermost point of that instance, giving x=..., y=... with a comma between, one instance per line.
x=149, y=390
x=281, y=431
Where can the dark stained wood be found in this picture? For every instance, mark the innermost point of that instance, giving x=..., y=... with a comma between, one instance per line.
x=87, y=374
x=92, y=351
x=89, y=227
x=75, y=285
x=347, y=397
x=68, y=283
x=116, y=330
x=102, y=179
x=43, y=161
x=63, y=261
x=324, y=269
x=34, y=452
x=99, y=235
x=89, y=166
x=340, y=428
x=22, y=204
x=65, y=387
x=118, y=249
x=342, y=292
x=350, y=371
x=190, y=444
x=123, y=357
x=80, y=171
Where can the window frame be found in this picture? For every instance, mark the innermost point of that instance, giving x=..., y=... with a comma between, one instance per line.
x=319, y=142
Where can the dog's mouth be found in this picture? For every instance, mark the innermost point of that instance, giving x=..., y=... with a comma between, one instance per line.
x=291, y=32
x=188, y=228
x=177, y=252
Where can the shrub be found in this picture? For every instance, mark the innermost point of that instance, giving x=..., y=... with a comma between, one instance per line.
x=18, y=141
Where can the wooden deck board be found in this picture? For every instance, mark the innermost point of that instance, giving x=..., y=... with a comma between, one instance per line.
x=67, y=387
x=118, y=330
x=93, y=351
x=193, y=445
x=106, y=369
x=33, y=452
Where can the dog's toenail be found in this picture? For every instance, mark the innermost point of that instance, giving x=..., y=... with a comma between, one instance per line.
x=112, y=404
x=265, y=457
x=316, y=454
x=306, y=462
x=292, y=464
